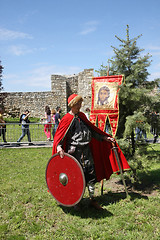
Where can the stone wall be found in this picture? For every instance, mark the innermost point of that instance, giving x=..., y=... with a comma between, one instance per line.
x=15, y=103
x=64, y=86
x=61, y=88
x=84, y=87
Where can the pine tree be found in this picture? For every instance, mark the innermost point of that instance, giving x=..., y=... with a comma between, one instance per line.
x=138, y=97
x=134, y=92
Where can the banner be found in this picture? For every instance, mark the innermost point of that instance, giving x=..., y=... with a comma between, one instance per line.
x=104, y=105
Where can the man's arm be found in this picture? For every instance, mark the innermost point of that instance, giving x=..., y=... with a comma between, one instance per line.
x=26, y=116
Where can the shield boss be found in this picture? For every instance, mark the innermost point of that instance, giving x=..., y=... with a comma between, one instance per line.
x=65, y=179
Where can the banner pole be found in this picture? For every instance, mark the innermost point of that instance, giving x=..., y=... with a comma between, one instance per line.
x=102, y=187
x=121, y=172
x=108, y=70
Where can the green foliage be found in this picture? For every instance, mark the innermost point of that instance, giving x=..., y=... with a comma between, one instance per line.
x=129, y=62
x=141, y=162
x=142, y=166
x=156, y=96
x=125, y=147
x=138, y=165
x=136, y=120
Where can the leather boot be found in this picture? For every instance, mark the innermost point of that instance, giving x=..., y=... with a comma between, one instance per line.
x=94, y=204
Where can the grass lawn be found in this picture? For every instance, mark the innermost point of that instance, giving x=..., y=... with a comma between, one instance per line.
x=28, y=211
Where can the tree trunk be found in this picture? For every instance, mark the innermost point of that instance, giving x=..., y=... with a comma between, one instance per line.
x=133, y=142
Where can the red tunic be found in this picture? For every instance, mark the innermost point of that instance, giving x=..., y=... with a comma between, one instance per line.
x=104, y=159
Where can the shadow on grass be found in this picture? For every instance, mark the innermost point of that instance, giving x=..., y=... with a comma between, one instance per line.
x=110, y=198
x=149, y=181
x=86, y=211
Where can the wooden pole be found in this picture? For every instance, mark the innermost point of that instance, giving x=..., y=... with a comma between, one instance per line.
x=102, y=187
x=120, y=169
x=108, y=70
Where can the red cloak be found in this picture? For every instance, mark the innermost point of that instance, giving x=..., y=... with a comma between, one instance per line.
x=103, y=155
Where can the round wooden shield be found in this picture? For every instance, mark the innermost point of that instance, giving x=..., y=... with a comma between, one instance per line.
x=65, y=179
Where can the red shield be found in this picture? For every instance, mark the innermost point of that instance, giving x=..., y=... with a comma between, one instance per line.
x=65, y=179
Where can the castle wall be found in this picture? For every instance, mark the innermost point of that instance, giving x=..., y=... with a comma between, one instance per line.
x=61, y=88
x=17, y=102
x=84, y=87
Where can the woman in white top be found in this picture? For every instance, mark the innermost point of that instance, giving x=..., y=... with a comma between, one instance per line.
x=48, y=125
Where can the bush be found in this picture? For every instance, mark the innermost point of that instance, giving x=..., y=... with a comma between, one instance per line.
x=140, y=163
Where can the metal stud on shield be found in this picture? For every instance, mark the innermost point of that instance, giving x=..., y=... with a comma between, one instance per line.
x=65, y=179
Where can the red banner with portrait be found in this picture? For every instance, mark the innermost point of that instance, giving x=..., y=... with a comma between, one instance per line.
x=105, y=105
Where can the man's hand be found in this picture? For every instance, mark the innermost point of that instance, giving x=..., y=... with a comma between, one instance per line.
x=60, y=151
x=109, y=139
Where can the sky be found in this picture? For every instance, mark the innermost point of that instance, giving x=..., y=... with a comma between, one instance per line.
x=40, y=38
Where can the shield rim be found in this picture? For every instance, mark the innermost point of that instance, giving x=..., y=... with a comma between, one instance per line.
x=84, y=181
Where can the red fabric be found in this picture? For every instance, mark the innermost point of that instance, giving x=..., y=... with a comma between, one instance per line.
x=102, y=122
x=93, y=119
x=47, y=130
x=103, y=155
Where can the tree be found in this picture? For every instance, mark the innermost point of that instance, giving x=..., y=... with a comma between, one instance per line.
x=1, y=69
x=138, y=97
x=134, y=94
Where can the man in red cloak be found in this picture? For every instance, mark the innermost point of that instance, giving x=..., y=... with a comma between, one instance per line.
x=92, y=147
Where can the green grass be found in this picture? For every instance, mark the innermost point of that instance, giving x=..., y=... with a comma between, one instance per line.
x=28, y=211
x=16, y=120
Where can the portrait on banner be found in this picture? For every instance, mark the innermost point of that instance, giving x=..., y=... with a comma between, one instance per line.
x=105, y=95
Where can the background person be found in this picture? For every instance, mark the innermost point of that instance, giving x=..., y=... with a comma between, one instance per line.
x=57, y=117
x=2, y=127
x=47, y=126
x=140, y=131
x=53, y=113
x=25, y=127
x=155, y=125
